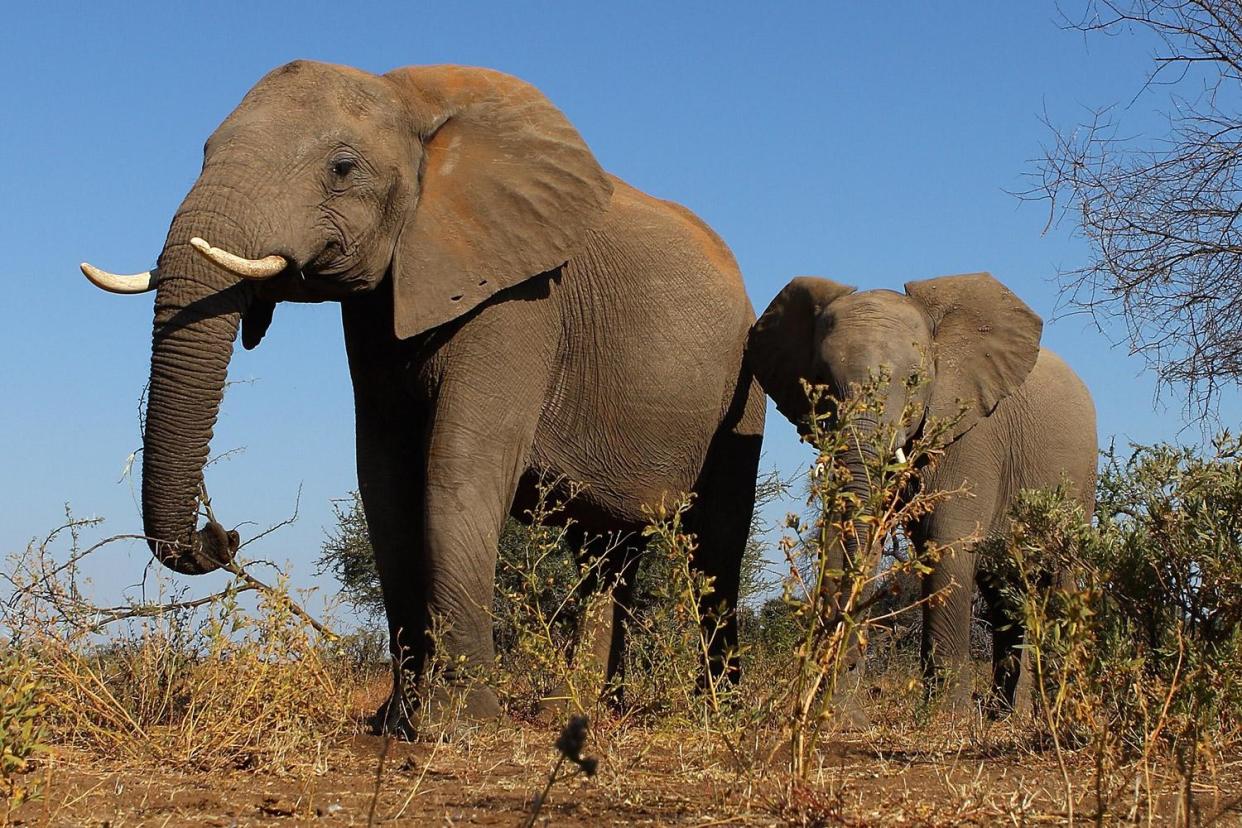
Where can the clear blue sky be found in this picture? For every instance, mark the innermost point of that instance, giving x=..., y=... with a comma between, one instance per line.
x=872, y=143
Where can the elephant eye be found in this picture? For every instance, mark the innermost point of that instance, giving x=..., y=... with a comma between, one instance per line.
x=342, y=167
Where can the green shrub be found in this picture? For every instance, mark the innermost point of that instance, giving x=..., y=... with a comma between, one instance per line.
x=1137, y=654
x=672, y=625
x=22, y=735
x=346, y=554
x=536, y=611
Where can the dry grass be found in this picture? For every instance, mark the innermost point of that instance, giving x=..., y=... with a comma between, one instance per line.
x=200, y=686
x=897, y=772
x=184, y=725
x=248, y=689
x=231, y=712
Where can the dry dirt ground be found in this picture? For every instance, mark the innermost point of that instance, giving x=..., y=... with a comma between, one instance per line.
x=489, y=776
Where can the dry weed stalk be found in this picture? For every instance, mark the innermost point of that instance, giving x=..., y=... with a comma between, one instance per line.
x=569, y=746
x=545, y=602
x=834, y=576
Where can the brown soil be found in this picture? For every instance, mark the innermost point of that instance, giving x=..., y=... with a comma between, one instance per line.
x=488, y=776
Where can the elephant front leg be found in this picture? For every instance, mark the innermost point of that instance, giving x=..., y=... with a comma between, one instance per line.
x=945, y=652
x=389, y=482
x=954, y=528
x=471, y=478
x=1010, y=676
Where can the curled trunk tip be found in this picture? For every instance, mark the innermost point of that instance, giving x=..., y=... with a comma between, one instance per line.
x=212, y=548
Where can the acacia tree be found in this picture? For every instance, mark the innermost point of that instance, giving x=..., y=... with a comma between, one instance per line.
x=1161, y=214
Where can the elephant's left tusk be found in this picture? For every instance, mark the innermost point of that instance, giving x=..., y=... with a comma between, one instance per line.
x=117, y=283
x=901, y=455
x=264, y=268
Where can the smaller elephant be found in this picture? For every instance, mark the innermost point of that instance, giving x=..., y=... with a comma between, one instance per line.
x=1029, y=422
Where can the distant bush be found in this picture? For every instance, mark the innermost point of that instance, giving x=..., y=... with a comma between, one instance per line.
x=346, y=554
x=536, y=610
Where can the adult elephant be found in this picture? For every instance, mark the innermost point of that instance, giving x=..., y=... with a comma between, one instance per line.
x=1029, y=422
x=512, y=313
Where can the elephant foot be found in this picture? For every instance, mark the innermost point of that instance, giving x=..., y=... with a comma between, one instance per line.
x=555, y=709
x=446, y=708
x=556, y=705
x=851, y=693
x=394, y=718
x=452, y=704
x=953, y=697
x=998, y=707
x=850, y=712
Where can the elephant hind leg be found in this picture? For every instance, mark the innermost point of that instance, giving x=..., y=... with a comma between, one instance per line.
x=720, y=519
x=604, y=597
x=613, y=563
x=1010, y=681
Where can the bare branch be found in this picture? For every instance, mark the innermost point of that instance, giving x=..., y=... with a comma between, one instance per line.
x=46, y=585
x=1161, y=217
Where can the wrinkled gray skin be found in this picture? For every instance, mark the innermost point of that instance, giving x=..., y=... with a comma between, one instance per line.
x=1029, y=421
x=511, y=311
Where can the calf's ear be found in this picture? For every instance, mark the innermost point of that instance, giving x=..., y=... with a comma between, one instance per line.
x=985, y=339
x=781, y=345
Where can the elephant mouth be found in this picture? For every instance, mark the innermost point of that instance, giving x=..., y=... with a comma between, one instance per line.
x=286, y=278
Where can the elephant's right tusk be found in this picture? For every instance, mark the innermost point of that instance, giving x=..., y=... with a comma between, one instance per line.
x=901, y=455
x=264, y=268
x=116, y=283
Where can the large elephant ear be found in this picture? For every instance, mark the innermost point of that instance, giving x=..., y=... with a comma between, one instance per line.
x=986, y=341
x=781, y=345
x=508, y=190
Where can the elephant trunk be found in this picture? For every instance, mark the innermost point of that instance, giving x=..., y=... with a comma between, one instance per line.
x=845, y=556
x=198, y=307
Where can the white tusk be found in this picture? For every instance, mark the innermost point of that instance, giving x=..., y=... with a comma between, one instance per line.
x=116, y=283
x=264, y=268
x=901, y=455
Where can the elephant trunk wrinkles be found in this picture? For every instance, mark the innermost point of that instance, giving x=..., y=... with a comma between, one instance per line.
x=197, y=311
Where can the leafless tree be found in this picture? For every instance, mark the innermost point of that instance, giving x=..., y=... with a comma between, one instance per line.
x=1161, y=213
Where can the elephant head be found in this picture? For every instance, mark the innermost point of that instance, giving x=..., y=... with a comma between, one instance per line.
x=971, y=338
x=442, y=184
